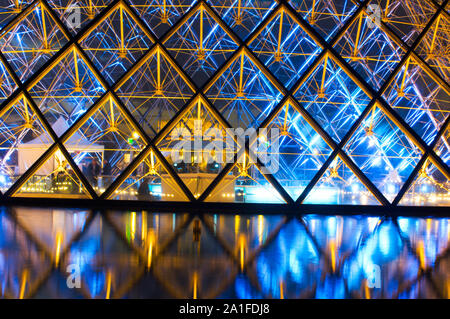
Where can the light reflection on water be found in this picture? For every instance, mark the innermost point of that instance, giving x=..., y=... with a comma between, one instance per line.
x=164, y=255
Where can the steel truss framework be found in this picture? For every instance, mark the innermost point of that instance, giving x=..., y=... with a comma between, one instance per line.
x=361, y=103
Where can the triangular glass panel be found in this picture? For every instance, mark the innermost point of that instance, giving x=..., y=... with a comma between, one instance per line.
x=148, y=287
x=65, y=93
x=76, y=14
x=429, y=188
x=429, y=237
x=241, y=288
x=439, y=273
x=23, y=140
x=55, y=229
x=32, y=41
x=201, y=46
x=245, y=184
x=55, y=287
x=108, y=265
x=26, y=263
x=382, y=254
x=406, y=18
x=7, y=84
x=160, y=15
x=150, y=181
x=155, y=92
x=10, y=9
x=198, y=147
x=422, y=288
x=289, y=267
x=243, y=16
x=419, y=100
x=148, y=232
x=340, y=186
x=242, y=234
x=54, y=178
x=243, y=94
x=340, y=236
x=104, y=145
x=434, y=47
x=383, y=152
x=116, y=44
x=332, y=98
x=190, y=262
x=371, y=53
x=331, y=287
x=442, y=148
x=296, y=151
x=326, y=17
x=285, y=48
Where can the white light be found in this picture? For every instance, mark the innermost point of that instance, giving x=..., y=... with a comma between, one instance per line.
x=391, y=188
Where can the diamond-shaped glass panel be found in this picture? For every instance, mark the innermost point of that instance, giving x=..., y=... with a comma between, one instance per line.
x=116, y=43
x=104, y=145
x=200, y=46
x=285, y=48
x=383, y=152
x=31, y=41
x=155, y=92
x=243, y=94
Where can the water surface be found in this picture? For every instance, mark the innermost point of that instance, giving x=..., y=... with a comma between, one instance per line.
x=124, y=254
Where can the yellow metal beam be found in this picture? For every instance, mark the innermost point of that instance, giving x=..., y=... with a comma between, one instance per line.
x=358, y=34
x=278, y=56
x=321, y=93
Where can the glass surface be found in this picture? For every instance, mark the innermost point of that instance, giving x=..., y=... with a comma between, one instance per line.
x=98, y=97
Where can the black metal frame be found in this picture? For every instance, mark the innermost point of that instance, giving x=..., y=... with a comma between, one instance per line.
x=200, y=208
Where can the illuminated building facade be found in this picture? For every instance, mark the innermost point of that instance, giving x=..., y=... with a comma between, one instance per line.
x=92, y=92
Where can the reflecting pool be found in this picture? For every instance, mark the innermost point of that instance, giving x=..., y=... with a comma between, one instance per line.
x=75, y=253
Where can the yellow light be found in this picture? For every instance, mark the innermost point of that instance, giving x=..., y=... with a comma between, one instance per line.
x=108, y=284
x=133, y=225
x=23, y=284
x=136, y=135
x=59, y=239
x=151, y=244
x=366, y=289
x=260, y=228
x=281, y=290
x=421, y=253
x=195, y=283
x=237, y=221
x=242, y=251
x=448, y=289
x=144, y=226
x=333, y=254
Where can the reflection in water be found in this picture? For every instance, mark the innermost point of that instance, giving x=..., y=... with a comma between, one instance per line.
x=164, y=255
